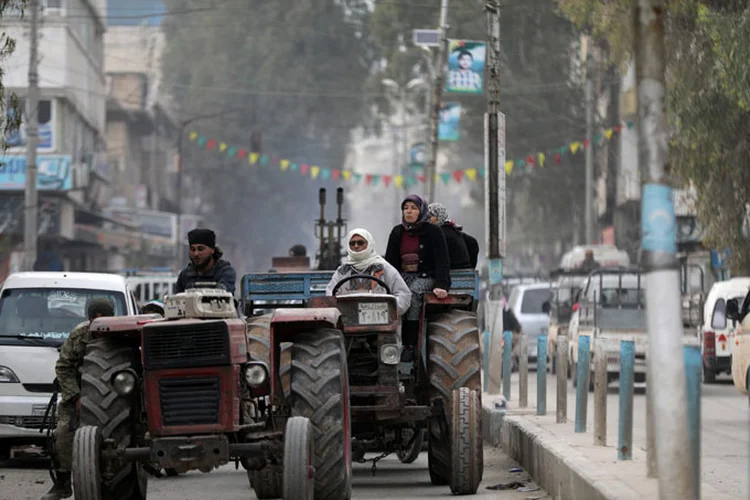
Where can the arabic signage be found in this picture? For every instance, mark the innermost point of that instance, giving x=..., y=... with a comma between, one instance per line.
x=53, y=173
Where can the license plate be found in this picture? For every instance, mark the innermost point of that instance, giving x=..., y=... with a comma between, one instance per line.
x=38, y=410
x=373, y=313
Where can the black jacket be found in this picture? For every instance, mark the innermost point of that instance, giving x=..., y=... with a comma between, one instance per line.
x=222, y=273
x=459, y=254
x=434, y=261
x=472, y=245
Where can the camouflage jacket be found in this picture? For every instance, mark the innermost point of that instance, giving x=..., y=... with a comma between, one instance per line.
x=70, y=363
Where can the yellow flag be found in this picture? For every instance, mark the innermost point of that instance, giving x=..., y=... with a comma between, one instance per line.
x=284, y=164
x=574, y=146
x=314, y=171
x=223, y=147
x=347, y=174
x=193, y=136
x=253, y=158
x=471, y=174
x=608, y=133
x=399, y=181
x=508, y=166
x=541, y=159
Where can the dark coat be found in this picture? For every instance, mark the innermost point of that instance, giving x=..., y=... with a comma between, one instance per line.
x=222, y=273
x=459, y=254
x=472, y=245
x=434, y=261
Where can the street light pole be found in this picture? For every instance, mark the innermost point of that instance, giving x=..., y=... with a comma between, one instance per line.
x=431, y=170
x=31, y=195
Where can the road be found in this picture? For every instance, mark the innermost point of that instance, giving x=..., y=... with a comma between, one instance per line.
x=29, y=480
x=724, y=427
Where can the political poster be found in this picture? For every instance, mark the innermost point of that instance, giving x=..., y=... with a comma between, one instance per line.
x=449, y=123
x=466, y=66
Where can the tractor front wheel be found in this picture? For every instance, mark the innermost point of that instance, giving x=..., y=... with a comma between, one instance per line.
x=467, y=454
x=299, y=456
x=87, y=472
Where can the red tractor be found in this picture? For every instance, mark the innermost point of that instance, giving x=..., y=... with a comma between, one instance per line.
x=183, y=393
x=392, y=404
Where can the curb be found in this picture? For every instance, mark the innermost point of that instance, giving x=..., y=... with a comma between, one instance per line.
x=553, y=464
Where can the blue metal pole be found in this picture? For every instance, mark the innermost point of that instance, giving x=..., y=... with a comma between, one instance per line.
x=582, y=385
x=693, y=376
x=541, y=375
x=507, y=351
x=627, y=378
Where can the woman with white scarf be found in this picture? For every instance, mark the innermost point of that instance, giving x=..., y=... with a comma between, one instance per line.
x=362, y=258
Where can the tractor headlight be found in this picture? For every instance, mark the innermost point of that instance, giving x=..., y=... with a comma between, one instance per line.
x=256, y=374
x=124, y=382
x=390, y=354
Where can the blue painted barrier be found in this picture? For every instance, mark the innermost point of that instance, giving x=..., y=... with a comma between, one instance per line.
x=693, y=375
x=486, y=361
x=507, y=352
x=582, y=385
x=541, y=375
x=627, y=379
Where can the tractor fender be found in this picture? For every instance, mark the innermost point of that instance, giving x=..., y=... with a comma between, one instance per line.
x=289, y=321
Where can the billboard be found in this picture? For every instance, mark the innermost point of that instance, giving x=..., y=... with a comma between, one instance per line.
x=465, y=67
x=449, y=125
x=53, y=173
x=47, y=116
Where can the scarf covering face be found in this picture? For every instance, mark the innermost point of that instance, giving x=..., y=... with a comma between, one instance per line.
x=438, y=210
x=366, y=258
x=424, y=213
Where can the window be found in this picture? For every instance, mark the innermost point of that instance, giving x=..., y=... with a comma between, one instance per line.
x=534, y=299
x=49, y=314
x=719, y=316
x=52, y=6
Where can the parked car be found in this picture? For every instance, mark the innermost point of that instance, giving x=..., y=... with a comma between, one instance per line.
x=531, y=304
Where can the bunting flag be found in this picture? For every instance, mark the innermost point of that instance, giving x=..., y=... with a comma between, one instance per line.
x=521, y=164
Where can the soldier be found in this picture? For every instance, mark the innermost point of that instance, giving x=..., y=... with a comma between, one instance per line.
x=68, y=370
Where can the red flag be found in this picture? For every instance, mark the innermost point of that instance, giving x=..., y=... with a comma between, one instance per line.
x=387, y=180
x=618, y=128
x=458, y=175
x=242, y=153
x=304, y=168
x=558, y=158
x=274, y=159
x=530, y=160
x=336, y=174
x=368, y=179
x=211, y=144
x=585, y=143
x=422, y=178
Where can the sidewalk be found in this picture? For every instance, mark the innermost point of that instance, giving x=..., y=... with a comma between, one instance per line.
x=568, y=465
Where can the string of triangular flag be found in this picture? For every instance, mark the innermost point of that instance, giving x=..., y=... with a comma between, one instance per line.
x=315, y=172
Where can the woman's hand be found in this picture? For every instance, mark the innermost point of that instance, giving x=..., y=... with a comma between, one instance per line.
x=440, y=293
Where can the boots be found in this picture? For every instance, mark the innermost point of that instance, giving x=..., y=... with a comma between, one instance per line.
x=61, y=488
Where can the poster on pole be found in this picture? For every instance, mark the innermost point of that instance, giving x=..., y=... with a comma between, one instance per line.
x=466, y=66
x=417, y=156
x=449, y=125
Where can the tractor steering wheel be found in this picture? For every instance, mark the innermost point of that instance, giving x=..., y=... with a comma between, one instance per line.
x=360, y=276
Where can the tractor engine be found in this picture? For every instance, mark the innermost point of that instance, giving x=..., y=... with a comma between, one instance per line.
x=193, y=365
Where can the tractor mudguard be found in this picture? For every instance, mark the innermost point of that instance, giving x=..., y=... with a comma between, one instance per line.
x=286, y=322
x=121, y=326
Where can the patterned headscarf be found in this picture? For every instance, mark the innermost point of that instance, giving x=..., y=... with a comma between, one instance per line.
x=438, y=210
x=424, y=213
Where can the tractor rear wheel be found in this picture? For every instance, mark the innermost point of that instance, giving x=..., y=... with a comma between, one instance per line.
x=320, y=392
x=259, y=347
x=467, y=454
x=87, y=472
x=113, y=414
x=267, y=482
x=453, y=361
x=299, y=456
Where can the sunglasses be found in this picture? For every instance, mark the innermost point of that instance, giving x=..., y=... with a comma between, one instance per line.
x=357, y=243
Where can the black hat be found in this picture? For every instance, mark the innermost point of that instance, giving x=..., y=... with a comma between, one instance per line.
x=202, y=237
x=100, y=305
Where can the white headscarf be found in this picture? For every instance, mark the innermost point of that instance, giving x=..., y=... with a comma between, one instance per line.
x=360, y=261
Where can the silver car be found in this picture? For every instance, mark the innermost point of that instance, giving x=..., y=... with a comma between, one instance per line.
x=531, y=305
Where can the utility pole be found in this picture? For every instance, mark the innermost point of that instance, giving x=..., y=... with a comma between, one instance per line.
x=494, y=194
x=32, y=104
x=439, y=82
x=668, y=389
x=588, y=212
x=404, y=167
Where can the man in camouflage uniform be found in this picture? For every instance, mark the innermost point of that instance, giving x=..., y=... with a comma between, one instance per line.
x=68, y=370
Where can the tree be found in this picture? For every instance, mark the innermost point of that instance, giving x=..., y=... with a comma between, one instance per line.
x=708, y=46
x=289, y=69
x=9, y=103
x=540, y=97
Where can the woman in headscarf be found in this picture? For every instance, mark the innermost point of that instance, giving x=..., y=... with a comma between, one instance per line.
x=457, y=250
x=419, y=251
x=362, y=258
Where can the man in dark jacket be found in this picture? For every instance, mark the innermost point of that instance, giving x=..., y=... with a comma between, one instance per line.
x=457, y=248
x=206, y=263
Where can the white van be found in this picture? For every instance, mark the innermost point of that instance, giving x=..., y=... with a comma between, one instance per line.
x=716, y=332
x=37, y=312
x=605, y=255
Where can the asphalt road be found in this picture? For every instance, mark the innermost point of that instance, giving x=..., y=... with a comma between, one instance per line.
x=29, y=480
